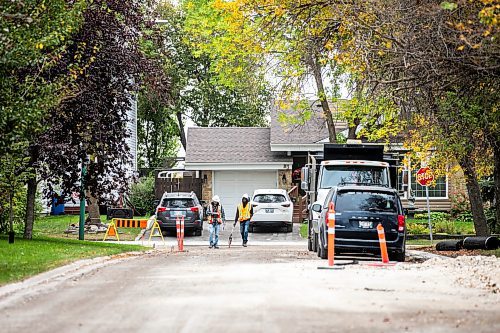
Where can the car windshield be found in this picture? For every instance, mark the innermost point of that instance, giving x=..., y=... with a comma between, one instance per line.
x=177, y=203
x=334, y=175
x=269, y=198
x=355, y=201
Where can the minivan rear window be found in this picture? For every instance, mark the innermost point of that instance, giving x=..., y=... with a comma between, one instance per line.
x=269, y=198
x=177, y=203
x=355, y=201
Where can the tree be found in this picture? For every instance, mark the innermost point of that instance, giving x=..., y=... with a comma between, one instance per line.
x=157, y=132
x=105, y=64
x=32, y=39
x=439, y=63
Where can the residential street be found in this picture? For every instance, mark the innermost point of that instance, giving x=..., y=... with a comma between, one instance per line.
x=263, y=289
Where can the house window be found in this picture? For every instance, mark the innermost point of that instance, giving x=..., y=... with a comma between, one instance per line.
x=440, y=190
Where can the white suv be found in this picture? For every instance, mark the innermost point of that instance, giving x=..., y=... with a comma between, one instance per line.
x=271, y=207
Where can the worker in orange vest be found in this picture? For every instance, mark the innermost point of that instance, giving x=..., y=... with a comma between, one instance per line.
x=244, y=213
x=216, y=215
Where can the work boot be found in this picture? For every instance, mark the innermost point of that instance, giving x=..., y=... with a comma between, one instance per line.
x=211, y=246
x=244, y=244
x=216, y=246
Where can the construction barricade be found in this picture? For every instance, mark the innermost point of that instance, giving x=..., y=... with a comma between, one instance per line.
x=113, y=226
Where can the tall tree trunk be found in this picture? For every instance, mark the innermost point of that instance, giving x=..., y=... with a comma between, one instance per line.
x=31, y=195
x=182, y=134
x=496, y=178
x=474, y=192
x=93, y=207
x=316, y=69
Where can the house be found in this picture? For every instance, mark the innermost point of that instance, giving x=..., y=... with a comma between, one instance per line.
x=237, y=160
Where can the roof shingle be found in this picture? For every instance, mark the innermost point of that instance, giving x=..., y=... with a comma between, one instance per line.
x=231, y=145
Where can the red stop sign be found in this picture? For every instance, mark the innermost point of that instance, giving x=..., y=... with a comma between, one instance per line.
x=425, y=176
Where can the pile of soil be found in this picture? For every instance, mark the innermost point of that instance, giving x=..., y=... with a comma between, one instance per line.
x=470, y=271
x=452, y=254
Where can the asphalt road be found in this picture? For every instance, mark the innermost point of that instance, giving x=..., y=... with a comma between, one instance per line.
x=255, y=289
x=261, y=236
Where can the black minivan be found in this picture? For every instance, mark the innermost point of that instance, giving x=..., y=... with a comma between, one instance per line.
x=177, y=205
x=358, y=211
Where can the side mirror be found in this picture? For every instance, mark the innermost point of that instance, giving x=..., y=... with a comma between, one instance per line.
x=304, y=178
x=203, y=202
x=405, y=211
x=316, y=208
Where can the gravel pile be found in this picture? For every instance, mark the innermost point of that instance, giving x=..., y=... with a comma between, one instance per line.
x=470, y=271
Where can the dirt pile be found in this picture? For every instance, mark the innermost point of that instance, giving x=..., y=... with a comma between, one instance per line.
x=470, y=271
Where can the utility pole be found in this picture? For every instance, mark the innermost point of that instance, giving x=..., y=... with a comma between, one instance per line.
x=82, y=202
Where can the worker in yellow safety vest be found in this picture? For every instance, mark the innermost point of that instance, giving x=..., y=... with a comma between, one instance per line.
x=244, y=213
x=216, y=216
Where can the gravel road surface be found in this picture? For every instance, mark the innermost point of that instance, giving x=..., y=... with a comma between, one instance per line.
x=263, y=289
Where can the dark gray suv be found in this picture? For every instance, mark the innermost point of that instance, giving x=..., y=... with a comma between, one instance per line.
x=180, y=204
x=358, y=211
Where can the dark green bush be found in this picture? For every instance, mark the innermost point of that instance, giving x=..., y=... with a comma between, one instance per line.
x=142, y=195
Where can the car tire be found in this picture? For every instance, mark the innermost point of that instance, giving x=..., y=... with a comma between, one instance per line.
x=289, y=228
x=250, y=229
x=164, y=233
x=315, y=242
x=322, y=251
x=398, y=256
x=198, y=232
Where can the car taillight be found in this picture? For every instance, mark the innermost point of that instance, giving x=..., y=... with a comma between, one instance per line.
x=162, y=209
x=401, y=223
x=286, y=205
x=194, y=209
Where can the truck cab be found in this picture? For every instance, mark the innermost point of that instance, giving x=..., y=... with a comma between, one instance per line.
x=342, y=165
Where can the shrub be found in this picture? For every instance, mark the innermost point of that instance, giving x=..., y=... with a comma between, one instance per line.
x=435, y=216
x=416, y=229
x=142, y=195
x=465, y=217
x=493, y=224
x=459, y=204
x=444, y=227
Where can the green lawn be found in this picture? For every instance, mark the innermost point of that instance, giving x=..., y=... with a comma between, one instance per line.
x=303, y=230
x=54, y=226
x=26, y=258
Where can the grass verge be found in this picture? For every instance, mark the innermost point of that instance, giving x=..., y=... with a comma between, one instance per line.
x=26, y=258
x=303, y=230
x=495, y=253
x=54, y=226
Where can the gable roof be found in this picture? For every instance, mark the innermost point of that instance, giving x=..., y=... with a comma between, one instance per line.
x=313, y=131
x=231, y=145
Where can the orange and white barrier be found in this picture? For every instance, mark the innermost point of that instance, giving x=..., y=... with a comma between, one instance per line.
x=383, y=244
x=331, y=233
x=179, y=224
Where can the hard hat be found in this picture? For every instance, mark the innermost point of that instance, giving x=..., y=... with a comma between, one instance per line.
x=216, y=198
x=246, y=196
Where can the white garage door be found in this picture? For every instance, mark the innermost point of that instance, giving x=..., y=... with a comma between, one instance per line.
x=231, y=185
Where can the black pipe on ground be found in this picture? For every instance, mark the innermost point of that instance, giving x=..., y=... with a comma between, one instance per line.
x=452, y=245
x=481, y=243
